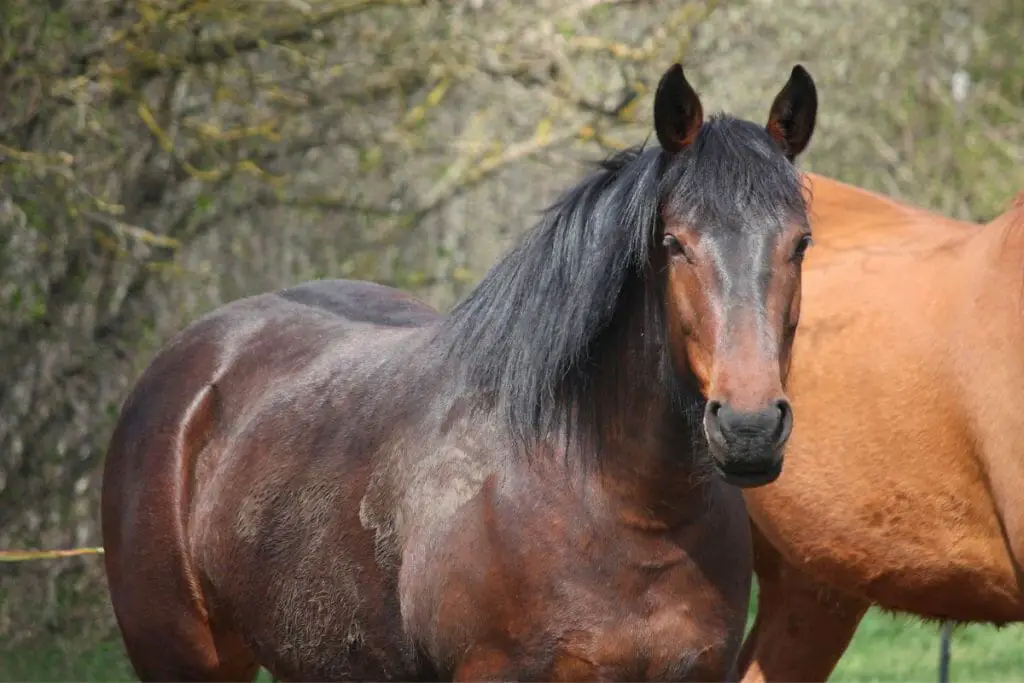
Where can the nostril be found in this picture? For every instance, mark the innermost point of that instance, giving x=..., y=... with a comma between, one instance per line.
x=782, y=405
x=712, y=422
x=785, y=423
x=714, y=407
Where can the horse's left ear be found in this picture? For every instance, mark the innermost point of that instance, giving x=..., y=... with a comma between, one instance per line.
x=678, y=114
x=792, y=116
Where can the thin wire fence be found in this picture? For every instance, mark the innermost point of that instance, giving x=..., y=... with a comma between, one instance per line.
x=27, y=555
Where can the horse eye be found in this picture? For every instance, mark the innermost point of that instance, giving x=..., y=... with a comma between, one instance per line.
x=801, y=246
x=672, y=244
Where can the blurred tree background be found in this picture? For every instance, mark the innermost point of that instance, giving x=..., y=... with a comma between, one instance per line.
x=160, y=157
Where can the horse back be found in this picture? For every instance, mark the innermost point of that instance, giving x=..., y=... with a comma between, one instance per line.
x=362, y=302
x=845, y=217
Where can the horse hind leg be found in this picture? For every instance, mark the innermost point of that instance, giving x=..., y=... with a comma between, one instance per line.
x=802, y=628
x=167, y=633
x=186, y=649
x=157, y=598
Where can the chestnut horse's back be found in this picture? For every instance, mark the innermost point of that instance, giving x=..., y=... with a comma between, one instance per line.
x=846, y=217
x=196, y=392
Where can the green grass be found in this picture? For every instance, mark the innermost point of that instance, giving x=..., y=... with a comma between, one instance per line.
x=102, y=662
x=890, y=648
x=885, y=649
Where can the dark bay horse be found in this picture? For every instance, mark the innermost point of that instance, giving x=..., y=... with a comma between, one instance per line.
x=904, y=484
x=336, y=482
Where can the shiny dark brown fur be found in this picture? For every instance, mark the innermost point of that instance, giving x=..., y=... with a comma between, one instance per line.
x=335, y=482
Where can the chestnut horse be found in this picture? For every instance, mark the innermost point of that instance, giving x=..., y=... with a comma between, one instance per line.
x=904, y=484
x=336, y=482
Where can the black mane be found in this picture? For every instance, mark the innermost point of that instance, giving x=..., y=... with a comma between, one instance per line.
x=543, y=337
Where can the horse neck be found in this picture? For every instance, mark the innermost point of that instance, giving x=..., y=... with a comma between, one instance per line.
x=654, y=482
x=653, y=466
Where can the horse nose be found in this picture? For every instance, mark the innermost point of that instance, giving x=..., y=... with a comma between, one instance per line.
x=727, y=427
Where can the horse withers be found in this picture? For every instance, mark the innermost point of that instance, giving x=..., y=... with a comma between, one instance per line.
x=903, y=479
x=336, y=482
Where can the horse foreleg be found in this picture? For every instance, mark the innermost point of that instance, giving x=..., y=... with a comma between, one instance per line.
x=802, y=628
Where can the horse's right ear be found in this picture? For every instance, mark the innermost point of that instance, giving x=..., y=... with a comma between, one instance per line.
x=792, y=116
x=678, y=114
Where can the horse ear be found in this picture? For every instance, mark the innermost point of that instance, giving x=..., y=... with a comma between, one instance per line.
x=792, y=116
x=678, y=114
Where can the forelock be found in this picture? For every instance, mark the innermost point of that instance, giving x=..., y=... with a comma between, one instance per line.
x=735, y=178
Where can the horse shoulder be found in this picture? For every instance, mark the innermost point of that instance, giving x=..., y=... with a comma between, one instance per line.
x=420, y=485
x=453, y=576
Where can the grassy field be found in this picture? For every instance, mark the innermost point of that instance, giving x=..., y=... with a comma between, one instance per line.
x=885, y=649
x=890, y=648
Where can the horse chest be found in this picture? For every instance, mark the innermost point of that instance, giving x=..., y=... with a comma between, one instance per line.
x=672, y=642
x=562, y=629
x=549, y=601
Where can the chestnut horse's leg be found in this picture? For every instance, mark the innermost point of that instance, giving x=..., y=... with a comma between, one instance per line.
x=801, y=629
